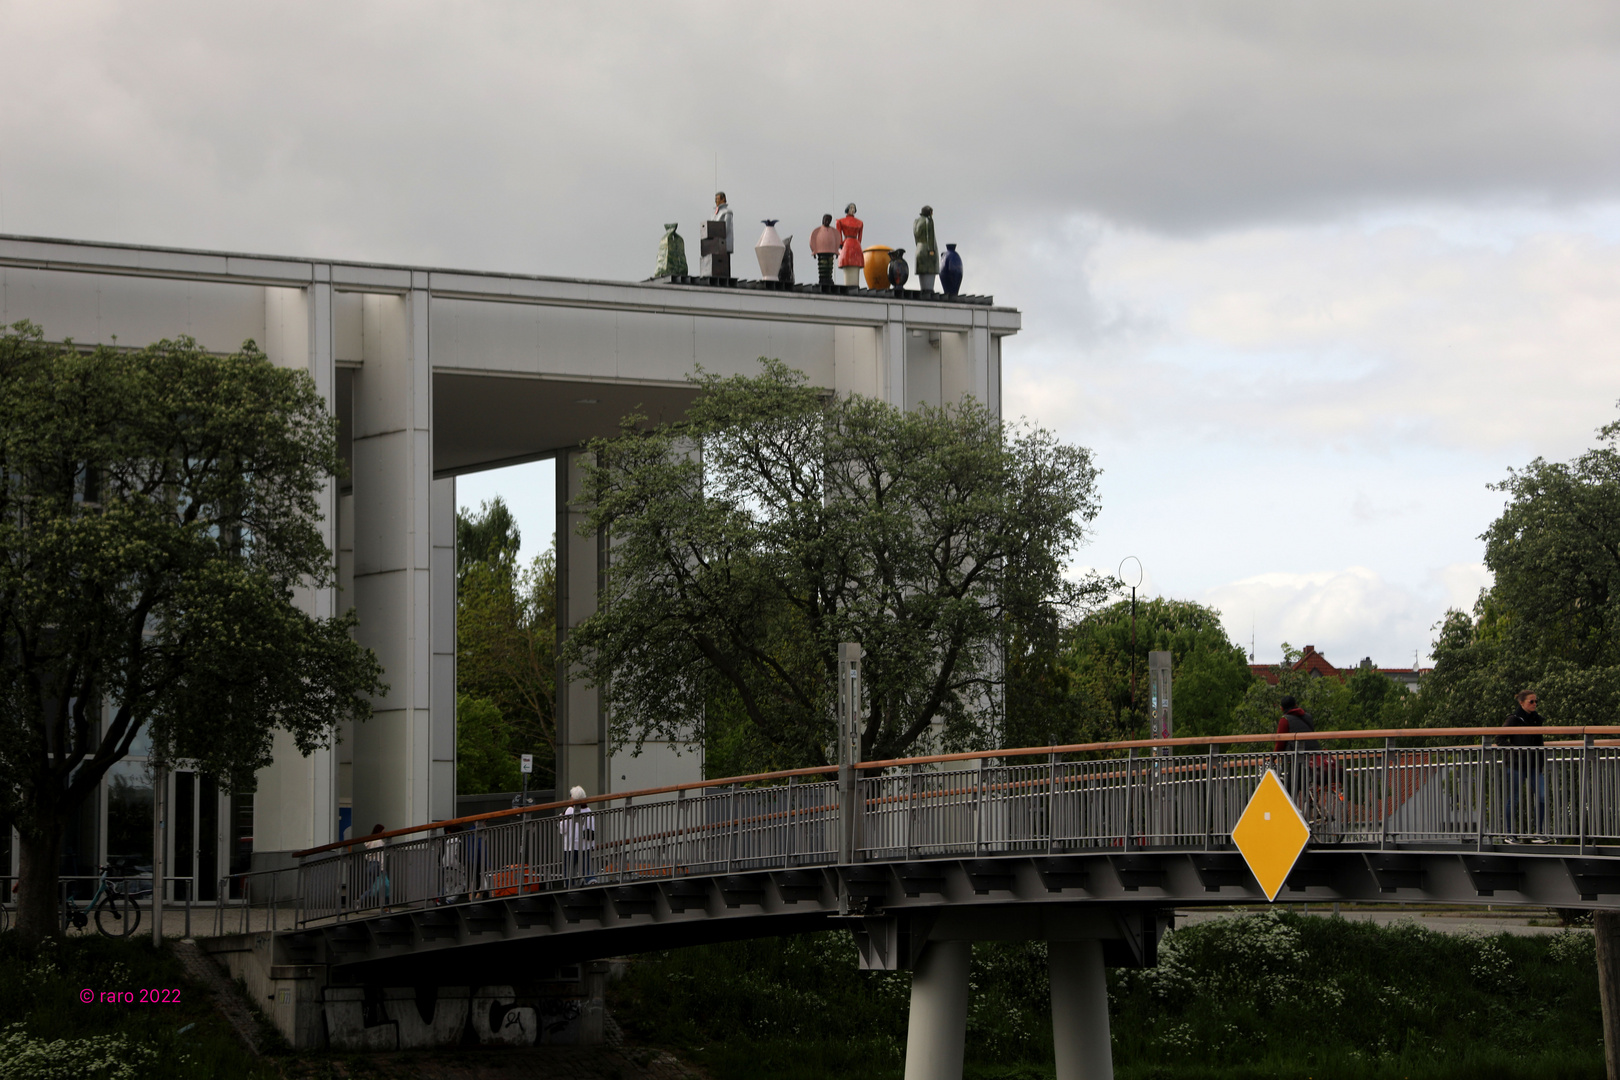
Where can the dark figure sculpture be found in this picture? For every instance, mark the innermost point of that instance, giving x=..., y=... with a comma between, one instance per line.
x=785, y=275
x=898, y=270
x=824, y=246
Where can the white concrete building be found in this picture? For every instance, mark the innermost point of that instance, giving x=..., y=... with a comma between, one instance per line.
x=438, y=373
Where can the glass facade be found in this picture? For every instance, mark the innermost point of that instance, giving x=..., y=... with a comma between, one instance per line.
x=129, y=814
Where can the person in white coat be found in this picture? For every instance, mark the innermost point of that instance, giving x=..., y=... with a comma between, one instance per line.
x=578, y=828
x=722, y=212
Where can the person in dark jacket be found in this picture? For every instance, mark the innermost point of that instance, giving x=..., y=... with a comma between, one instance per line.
x=1524, y=765
x=1296, y=720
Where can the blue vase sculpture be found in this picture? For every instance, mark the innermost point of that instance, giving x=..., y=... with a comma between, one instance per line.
x=899, y=272
x=950, y=271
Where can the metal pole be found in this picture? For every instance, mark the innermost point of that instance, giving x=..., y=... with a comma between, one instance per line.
x=1051, y=801
x=1586, y=771
x=1209, y=799
x=1385, y=798
x=160, y=802
x=1479, y=797
x=792, y=831
x=911, y=811
x=849, y=749
x=1130, y=775
x=1133, y=659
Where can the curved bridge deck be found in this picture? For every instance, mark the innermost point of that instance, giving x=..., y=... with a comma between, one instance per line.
x=1005, y=844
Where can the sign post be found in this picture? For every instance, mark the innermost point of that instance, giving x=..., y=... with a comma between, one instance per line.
x=849, y=747
x=1159, y=697
x=526, y=766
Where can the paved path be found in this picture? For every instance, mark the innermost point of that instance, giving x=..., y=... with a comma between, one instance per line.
x=1446, y=920
x=539, y=1063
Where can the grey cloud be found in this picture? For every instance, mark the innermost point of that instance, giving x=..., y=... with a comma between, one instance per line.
x=557, y=139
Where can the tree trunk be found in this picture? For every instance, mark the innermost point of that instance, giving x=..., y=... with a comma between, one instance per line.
x=39, y=910
x=1606, y=929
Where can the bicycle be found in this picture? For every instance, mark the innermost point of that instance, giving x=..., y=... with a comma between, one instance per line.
x=1321, y=798
x=117, y=914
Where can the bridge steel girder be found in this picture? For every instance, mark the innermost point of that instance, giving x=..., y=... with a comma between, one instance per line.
x=1121, y=899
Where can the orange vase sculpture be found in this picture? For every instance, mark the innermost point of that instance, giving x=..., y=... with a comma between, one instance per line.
x=877, y=266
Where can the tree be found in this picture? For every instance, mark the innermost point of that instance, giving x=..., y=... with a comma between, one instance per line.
x=485, y=758
x=1365, y=699
x=1552, y=619
x=1209, y=674
x=506, y=630
x=777, y=520
x=157, y=513
x=488, y=538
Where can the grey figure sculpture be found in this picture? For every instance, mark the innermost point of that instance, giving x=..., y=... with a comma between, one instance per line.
x=927, y=250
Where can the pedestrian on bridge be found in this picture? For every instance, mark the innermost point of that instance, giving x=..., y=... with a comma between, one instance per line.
x=378, y=886
x=578, y=828
x=1525, y=765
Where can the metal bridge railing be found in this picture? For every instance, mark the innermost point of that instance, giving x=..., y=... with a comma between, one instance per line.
x=1045, y=800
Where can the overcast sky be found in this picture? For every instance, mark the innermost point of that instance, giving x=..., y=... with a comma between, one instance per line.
x=1305, y=276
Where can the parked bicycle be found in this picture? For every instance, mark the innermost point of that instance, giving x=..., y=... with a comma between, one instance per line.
x=117, y=913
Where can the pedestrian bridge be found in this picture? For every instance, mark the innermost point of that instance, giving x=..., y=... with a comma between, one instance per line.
x=1091, y=847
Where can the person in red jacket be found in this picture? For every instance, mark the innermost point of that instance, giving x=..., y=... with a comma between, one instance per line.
x=1295, y=720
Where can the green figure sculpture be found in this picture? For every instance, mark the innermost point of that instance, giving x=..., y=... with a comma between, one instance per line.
x=671, y=253
x=926, y=258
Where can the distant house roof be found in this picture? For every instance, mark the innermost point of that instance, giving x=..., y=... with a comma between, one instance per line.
x=1316, y=664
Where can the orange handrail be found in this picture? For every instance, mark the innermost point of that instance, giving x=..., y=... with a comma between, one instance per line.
x=979, y=755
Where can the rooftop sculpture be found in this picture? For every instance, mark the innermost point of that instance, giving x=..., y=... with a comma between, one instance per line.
x=927, y=250
x=671, y=253
x=824, y=246
x=718, y=240
x=850, y=256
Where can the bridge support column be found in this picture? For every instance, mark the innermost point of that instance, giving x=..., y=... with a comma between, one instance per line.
x=1080, y=1040
x=939, y=1000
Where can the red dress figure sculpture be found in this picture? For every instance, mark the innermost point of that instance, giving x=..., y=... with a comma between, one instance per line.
x=850, y=258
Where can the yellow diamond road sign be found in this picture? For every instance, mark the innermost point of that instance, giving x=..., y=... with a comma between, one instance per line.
x=1270, y=834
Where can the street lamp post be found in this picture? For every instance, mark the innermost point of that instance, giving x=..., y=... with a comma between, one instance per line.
x=1134, y=584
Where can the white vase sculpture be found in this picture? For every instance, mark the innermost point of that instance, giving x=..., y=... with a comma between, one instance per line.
x=769, y=250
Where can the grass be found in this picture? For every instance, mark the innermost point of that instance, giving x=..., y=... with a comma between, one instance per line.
x=1268, y=995
x=47, y=1032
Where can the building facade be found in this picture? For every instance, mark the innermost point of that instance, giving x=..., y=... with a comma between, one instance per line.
x=434, y=374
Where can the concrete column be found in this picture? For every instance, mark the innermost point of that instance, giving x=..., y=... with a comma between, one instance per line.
x=393, y=566
x=939, y=1000
x=894, y=357
x=442, y=738
x=297, y=805
x=581, y=721
x=1080, y=1041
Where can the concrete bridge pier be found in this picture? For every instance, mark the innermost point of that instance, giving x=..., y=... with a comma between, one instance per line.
x=939, y=1000
x=1080, y=1038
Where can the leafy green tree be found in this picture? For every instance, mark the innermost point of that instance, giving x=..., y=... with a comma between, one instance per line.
x=486, y=759
x=489, y=537
x=1365, y=699
x=1551, y=621
x=506, y=653
x=777, y=520
x=158, y=511
x=1049, y=702
x=1209, y=674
